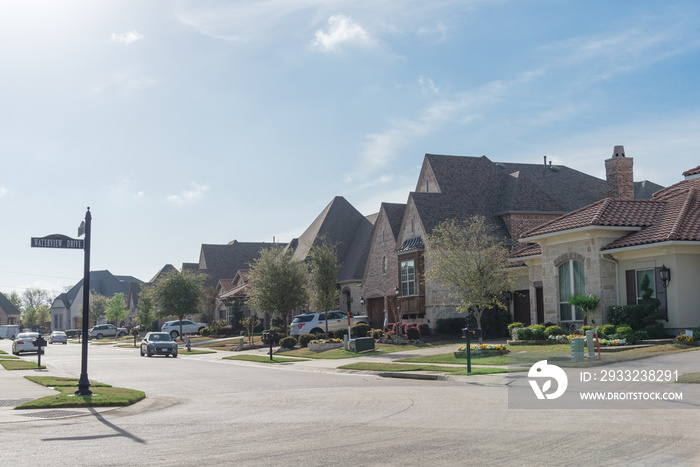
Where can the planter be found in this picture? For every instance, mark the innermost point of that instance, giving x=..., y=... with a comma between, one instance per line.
x=325, y=346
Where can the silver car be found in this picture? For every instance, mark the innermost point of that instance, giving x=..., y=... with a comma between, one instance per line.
x=158, y=343
x=58, y=337
x=24, y=342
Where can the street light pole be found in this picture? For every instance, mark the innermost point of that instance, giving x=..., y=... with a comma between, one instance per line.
x=84, y=383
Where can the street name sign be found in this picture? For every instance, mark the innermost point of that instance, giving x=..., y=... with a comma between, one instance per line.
x=57, y=241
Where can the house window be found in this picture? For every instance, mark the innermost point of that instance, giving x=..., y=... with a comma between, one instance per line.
x=413, y=226
x=640, y=274
x=385, y=265
x=571, y=281
x=408, y=278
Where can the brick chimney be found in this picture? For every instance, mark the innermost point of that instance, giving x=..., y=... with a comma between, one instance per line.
x=620, y=175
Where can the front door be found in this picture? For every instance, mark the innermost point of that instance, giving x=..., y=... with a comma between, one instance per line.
x=521, y=306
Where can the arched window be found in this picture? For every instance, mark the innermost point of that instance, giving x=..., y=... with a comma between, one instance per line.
x=571, y=281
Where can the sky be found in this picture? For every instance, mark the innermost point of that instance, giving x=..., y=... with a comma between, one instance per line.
x=181, y=123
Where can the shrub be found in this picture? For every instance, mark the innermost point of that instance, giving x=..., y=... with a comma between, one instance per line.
x=275, y=340
x=360, y=330
x=226, y=331
x=626, y=332
x=205, y=332
x=340, y=333
x=450, y=325
x=377, y=333
x=586, y=328
x=304, y=339
x=412, y=332
x=424, y=329
x=655, y=331
x=635, y=316
x=640, y=335
x=522, y=334
x=538, y=333
x=288, y=342
x=553, y=331
x=515, y=324
x=606, y=329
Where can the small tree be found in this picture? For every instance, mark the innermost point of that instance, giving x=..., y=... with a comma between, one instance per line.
x=471, y=262
x=179, y=294
x=116, y=309
x=249, y=324
x=98, y=306
x=277, y=283
x=323, y=277
x=587, y=303
x=146, y=309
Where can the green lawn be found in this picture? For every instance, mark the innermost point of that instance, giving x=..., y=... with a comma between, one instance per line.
x=451, y=359
x=340, y=353
x=689, y=378
x=19, y=364
x=103, y=395
x=265, y=359
x=194, y=352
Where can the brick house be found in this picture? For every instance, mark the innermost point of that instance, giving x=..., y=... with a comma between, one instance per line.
x=609, y=246
x=514, y=197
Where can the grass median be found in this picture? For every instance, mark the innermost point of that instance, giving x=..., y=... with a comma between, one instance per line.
x=103, y=395
x=265, y=359
x=400, y=367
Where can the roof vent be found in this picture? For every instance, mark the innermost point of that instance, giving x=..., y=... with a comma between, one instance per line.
x=619, y=151
x=554, y=168
x=501, y=165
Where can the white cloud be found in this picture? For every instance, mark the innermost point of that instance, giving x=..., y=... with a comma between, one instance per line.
x=428, y=85
x=126, y=38
x=3, y=191
x=341, y=30
x=439, y=31
x=139, y=195
x=190, y=196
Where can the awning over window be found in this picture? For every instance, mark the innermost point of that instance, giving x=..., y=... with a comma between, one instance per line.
x=413, y=243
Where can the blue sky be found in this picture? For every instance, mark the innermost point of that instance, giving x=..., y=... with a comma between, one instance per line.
x=189, y=122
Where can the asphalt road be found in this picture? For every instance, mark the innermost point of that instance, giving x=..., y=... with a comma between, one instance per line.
x=201, y=410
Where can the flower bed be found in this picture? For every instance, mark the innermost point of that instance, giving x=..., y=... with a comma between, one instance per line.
x=687, y=340
x=481, y=350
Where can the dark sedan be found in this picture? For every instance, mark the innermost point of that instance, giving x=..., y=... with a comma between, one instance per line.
x=158, y=343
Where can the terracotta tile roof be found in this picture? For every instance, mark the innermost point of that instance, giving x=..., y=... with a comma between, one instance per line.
x=530, y=250
x=673, y=214
x=690, y=172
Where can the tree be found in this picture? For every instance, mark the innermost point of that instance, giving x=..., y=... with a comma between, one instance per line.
x=35, y=297
x=116, y=309
x=35, y=302
x=323, y=277
x=470, y=261
x=179, y=294
x=15, y=299
x=277, y=283
x=43, y=315
x=249, y=324
x=587, y=303
x=98, y=306
x=145, y=314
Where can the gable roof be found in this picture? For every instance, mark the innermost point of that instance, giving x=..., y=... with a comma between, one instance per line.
x=223, y=261
x=673, y=214
x=345, y=227
x=101, y=282
x=394, y=213
x=164, y=271
x=7, y=306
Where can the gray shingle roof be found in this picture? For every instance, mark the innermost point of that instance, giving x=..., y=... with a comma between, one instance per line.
x=7, y=306
x=223, y=261
x=101, y=282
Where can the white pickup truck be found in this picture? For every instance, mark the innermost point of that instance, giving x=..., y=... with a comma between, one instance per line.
x=312, y=323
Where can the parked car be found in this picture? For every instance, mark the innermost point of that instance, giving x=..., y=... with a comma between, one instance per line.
x=158, y=343
x=24, y=342
x=58, y=337
x=106, y=330
x=311, y=323
x=188, y=327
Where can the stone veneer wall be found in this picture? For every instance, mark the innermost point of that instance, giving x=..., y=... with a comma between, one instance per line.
x=599, y=275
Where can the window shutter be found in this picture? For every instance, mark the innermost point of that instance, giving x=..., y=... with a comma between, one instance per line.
x=631, y=287
x=661, y=294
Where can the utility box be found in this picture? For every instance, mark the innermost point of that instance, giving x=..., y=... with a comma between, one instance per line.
x=577, y=346
x=362, y=343
x=590, y=336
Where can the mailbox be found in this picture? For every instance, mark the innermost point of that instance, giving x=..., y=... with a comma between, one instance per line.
x=472, y=333
x=40, y=342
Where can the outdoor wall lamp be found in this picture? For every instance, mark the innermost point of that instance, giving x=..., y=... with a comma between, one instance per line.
x=362, y=301
x=396, y=291
x=665, y=274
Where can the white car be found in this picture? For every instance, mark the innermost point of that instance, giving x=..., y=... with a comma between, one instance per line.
x=106, y=330
x=24, y=342
x=312, y=323
x=188, y=327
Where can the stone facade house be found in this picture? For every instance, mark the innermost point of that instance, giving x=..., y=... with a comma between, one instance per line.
x=608, y=247
x=513, y=197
